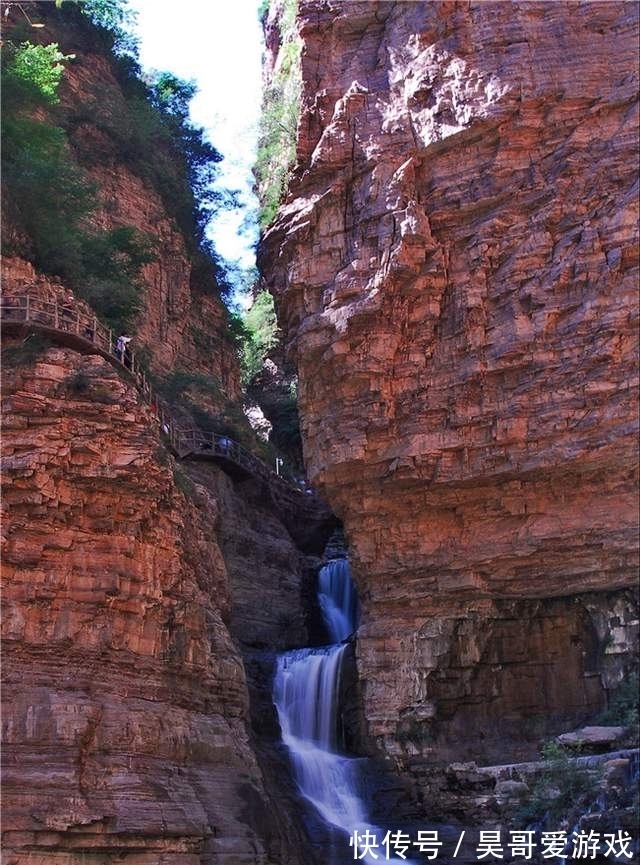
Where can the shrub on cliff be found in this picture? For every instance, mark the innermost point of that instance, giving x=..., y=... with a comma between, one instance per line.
x=560, y=791
x=157, y=140
x=48, y=199
x=279, y=119
x=623, y=706
x=257, y=335
x=34, y=72
x=45, y=194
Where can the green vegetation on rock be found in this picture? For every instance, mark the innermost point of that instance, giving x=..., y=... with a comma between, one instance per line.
x=279, y=119
x=48, y=198
x=50, y=203
x=36, y=68
x=562, y=788
x=258, y=334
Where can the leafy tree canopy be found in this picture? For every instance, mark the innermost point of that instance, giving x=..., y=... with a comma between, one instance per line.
x=36, y=67
x=171, y=95
x=115, y=18
x=258, y=333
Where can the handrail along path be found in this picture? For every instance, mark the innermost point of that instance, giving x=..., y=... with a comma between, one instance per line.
x=85, y=333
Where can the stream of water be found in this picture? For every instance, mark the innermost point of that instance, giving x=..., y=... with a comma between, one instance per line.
x=305, y=694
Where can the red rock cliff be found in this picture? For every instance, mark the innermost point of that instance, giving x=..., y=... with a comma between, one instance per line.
x=455, y=269
x=125, y=698
x=182, y=324
x=129, y=579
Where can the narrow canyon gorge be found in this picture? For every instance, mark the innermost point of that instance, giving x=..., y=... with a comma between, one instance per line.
x=454, y=264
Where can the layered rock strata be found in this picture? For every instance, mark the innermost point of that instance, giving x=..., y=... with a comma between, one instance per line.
x=126, y=725
x=129, y=580
x=182, y=325
x=125, y=701
x=455, y=269
x=271, y=579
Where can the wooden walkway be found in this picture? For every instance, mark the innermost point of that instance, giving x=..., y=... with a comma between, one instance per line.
x=68, y=326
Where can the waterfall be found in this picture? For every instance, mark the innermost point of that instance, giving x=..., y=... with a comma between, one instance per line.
x=305, y=694
x=338, y=600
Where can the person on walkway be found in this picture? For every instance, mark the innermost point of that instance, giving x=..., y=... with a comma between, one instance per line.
x=121, y=349
x=224, y=444
x=66, y=320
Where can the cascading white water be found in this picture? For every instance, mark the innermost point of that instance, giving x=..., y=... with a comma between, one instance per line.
x=338, y=599
x=305, y=694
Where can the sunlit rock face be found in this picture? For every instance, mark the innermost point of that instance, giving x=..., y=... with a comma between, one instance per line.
x=455, y=269
x=125, y=704
x=182, y=323
x=129, y=578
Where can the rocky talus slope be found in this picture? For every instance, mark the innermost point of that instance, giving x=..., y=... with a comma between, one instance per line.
x=455, y=269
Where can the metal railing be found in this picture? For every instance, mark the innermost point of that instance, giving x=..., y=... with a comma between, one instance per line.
x=79, y=328
x=83, y=330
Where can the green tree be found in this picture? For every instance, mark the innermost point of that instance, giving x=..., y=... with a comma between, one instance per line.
x=115, y=19
x=279, y=119
x=48, y=199
x=259, y=334
x=46, y=194
x=171, y=96
x=38, y=67
x=561, y=789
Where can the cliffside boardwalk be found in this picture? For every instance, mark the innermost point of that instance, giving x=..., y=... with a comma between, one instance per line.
x=69, y=326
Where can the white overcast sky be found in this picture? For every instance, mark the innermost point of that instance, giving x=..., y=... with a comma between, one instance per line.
x=217, y=44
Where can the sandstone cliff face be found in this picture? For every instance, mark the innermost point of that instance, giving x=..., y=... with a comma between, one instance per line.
x=271, y=579
x=127, y=588
x=182, y=323
x=455, y=269
x=130, y=581
x=125, y=719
